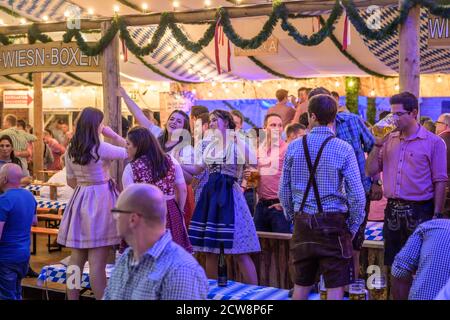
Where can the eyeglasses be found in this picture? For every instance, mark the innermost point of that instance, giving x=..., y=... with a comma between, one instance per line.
x=115, y=212
x=399, y=114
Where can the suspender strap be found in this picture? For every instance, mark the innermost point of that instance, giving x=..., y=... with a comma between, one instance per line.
x=312, y=173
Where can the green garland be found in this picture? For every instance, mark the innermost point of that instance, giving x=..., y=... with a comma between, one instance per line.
x=352, y=93
x=246, y=119
x=18, y=81
x=34, y=34
x=351, y=58
x=441, y=10
x=318, y=37
x=182, y=39
x=157, y=71
x=273, y=72
x=130, y=5
x=371, y=110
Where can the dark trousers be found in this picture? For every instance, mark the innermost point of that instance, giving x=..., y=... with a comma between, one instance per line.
x=270, y=220
x=400, y=220
x=11, y=275
x=249, y=196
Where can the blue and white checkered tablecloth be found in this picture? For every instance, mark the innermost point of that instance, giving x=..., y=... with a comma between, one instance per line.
x=374, y=231
x=233, y=291
x=33, y=187
x=50, y=204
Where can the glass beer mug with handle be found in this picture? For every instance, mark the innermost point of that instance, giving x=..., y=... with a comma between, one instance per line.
x=384, y=127
x=378, y=288
x=357, y=290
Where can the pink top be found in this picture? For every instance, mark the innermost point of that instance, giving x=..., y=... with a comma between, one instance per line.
x=270, y=165
x=410, y=166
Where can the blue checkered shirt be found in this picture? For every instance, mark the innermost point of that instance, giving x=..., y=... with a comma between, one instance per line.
x=427, y=254
x=165, y=272
x=351, y=128
x=337, y=177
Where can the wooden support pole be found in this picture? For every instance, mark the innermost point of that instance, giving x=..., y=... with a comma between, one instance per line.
x=111, y=102
x=38, y=115
x=198, y=15
x=409, y=52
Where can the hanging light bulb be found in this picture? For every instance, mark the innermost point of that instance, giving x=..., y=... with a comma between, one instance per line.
x=144, y=6
x=235, y=85
x=90, y=11
x=45, y=18
x=258, y=84
x=135, y=86
x=194, y=91
x=175, y=4
x=66, y=14
x=179, y=60
x=169, y=48
x=351, y=84
x=23, y=21
x=116, y=8
x=207, y=3
x=337, y=84
x=227, y=90
x=279, y=85
x=210, y=94
x=238, y=1
x=397, y=87
x=439, y=79
x=372, y=93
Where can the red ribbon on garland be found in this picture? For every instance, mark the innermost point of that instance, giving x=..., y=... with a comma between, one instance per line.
x=346, y=37
x=124, y=51
x=219, y=40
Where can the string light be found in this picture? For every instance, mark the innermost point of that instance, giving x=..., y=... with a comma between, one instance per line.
x=213, y=83
x=135, y=86
x=179, y=60
x=122, y=57
x=235, y=85
x=2, y=23
x=439, y=79
x=144, y=6
x=66, y=14
x=116, y=8
x=23, y=21
x=279, y=85
x=397, y=87
x=351, y=84
x=175, y=4
x=227, y=90
x=90, y=11
x=45, y=18
x=210, y=94
x=202, y=78
x=372, y=93
x=238, y=1
x=169, y=48
x=194, y=91
x=337, y=84
x=191, y=71
x=207, y=3
x=223, y=86
x=258, y=84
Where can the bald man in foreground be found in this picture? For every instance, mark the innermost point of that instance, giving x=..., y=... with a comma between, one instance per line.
x=153, y=267
x=17, y=214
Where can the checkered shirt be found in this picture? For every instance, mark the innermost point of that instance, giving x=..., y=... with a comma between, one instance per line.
x=337, y=177
x=351, y=128
x=165, y=272
x=427, y=254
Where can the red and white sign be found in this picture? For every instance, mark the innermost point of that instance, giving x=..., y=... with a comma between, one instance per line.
x=17, y=99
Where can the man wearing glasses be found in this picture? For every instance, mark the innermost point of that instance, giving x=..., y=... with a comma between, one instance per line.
x=153, y=267
x=414, y=164
x=443, y=131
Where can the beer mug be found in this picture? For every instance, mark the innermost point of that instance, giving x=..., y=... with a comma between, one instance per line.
x=357, y=290
x=322, y=289
x=252, y=181
x=384, y=126
x=378, y=288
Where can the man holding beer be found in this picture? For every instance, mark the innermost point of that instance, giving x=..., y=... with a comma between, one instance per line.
x=414, y=165
x=269, y=215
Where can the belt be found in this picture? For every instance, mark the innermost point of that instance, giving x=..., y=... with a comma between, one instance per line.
x=269, y=202
x=87, y=184
x=320, y=215
x=401, y=201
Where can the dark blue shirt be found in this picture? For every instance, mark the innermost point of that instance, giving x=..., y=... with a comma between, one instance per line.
x=17, y=209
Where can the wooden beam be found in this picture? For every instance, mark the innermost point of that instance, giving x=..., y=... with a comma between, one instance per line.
x=195, y=15
x=409, y=52
x=38, y=115
x=111, y=102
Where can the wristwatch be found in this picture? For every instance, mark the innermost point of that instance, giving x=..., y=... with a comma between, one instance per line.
x=378, y=182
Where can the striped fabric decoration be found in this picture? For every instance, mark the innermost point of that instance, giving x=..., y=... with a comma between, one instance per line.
x=431, y=60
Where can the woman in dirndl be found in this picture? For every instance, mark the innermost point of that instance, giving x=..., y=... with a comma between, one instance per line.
x=87, y=226
x=149, y=164
x=221, y=216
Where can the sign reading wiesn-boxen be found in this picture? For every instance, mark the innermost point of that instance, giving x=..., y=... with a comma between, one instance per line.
x=438, y=32
x=48, y=57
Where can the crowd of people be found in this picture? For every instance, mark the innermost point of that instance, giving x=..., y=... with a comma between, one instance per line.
x=202, y=183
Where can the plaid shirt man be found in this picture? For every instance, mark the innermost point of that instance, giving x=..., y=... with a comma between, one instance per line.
x=338, y=163
x=165, y=272
x=351, y=128
x=427, y=254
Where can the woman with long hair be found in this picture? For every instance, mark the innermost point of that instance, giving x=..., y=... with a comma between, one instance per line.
x=221, y=216
x=7, y=151
x=149, y=164
x=176, y=141
x=88, y=227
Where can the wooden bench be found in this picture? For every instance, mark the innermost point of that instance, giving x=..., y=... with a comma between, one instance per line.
x=45, y=231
